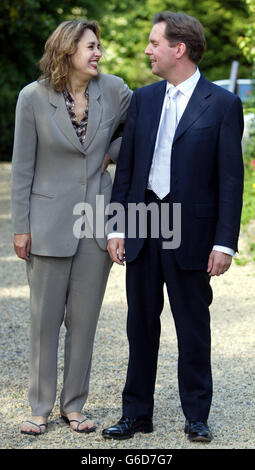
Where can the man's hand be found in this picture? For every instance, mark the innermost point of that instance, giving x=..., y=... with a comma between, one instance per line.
x=22, y=244
x=218, y=263
x=107, y=160
x=116, y=248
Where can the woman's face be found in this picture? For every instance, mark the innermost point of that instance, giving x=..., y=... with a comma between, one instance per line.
x=85, y=59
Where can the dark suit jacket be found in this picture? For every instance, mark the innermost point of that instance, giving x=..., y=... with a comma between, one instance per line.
x=206, y=167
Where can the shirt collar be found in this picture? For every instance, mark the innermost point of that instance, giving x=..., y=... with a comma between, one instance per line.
x=187, y=87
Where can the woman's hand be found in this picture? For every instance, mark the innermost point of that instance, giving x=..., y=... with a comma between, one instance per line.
x=22, y=244
x=107, y=160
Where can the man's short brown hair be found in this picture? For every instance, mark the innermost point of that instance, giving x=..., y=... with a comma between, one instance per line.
x=184, y=28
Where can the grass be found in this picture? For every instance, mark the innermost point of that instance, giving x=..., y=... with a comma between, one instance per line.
x=248, y=212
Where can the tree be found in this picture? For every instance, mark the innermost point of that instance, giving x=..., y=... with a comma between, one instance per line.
x=247, y=42
x=24, y=27
x=126, y=26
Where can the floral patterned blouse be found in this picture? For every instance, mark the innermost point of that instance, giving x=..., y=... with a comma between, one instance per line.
x=79, y=127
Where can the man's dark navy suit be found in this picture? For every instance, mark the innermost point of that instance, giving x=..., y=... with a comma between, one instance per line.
x=207, y=179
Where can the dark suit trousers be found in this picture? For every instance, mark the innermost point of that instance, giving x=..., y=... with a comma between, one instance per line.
x=189, y=295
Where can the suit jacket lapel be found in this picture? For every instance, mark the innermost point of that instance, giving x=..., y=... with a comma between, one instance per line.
x=197, y=104
x=95, y=111
x=156, y=108
x=63, y=120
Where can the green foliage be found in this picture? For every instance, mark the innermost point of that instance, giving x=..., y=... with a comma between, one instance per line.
x=248, y=213
x=126, y=27
x=247, y=42
x=247, y=45
x=24, y=27
x=26, y=24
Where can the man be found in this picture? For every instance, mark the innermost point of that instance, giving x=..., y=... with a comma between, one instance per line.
x=199, y=165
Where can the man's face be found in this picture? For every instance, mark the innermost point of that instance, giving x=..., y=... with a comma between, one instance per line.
x=162, y=56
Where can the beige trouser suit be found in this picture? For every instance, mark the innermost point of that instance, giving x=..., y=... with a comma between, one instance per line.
x=64, y=289
x=52, y=172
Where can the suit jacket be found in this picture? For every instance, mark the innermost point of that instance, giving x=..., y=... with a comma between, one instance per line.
x=206, y=167
x=52, y=171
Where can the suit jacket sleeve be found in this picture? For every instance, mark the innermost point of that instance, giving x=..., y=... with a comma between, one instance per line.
x=125, y=95
x=125, y=161
x=124, y=99
x=114, y=149
x=230, y=177
x=23, y=162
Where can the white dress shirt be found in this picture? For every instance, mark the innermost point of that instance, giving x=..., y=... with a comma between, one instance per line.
x=186, y=89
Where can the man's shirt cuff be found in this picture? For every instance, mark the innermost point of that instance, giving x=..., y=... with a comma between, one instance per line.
x=224, y=249
x=115, y=235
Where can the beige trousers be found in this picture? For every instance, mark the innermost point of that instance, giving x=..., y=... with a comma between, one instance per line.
x=71, y=290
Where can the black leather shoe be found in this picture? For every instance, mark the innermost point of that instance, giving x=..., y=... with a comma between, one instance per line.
x=127, y=427
x=198, y=431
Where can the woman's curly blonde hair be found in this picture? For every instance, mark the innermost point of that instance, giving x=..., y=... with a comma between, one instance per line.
x=55, y=63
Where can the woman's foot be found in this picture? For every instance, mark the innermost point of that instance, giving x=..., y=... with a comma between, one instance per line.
x=36, y=425
x=79, y=422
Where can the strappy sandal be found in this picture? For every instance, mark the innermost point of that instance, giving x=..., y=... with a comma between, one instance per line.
x=34, y=433
x=87, y=430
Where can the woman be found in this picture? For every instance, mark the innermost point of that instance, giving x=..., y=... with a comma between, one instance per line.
x=64, y=125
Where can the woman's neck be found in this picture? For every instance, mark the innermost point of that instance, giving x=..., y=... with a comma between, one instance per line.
x=76, y=86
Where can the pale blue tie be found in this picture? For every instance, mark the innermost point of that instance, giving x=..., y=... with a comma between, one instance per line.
x=160, y=183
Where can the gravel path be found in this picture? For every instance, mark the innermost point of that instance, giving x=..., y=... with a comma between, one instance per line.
x=232, y=417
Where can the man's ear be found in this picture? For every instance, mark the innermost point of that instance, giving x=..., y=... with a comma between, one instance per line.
x=181, y=50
